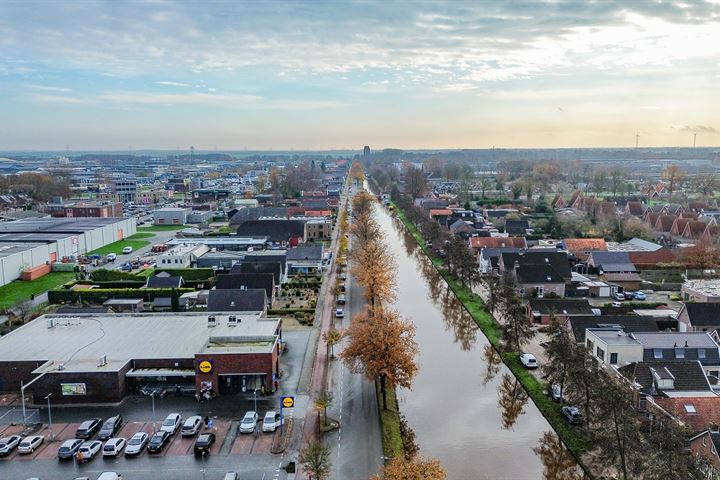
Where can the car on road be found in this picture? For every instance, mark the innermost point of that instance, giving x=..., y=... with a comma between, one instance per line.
x=127, y=267
x=249, y=422
x=88, y=428
x=172, y=423
x=110, y=426
x=88, y=450
x=114, y=447
x=339, y=313
x=619, y=296
x=8, y=444
x=191, y=426
x=127, y=250
x=109, y=476
x=271, y=421
x=231, y=476
x=69, y=448
x=529, y=360
x=556, y=392
x=158, y=441
x=29, y=444
x=137, y=443
x=343, y=276
x=204, y=443
x=572, y=415
x=111, y=257
x=341, y=300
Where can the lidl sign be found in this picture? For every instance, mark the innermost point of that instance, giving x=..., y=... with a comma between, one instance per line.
x=288, y=402
x=205, y=366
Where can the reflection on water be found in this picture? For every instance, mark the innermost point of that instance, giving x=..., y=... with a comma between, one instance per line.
x=492, y=363
x=512, y=400
x=559, y=464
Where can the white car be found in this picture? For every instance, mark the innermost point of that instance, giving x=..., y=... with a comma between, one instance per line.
x=114, y=447
x=111, y=257
x=137, y=443
x=171, y=423
x=271, y=421
x=127, y=250
x=8, y=444
x=29, y=444
x=88, y=450
x=339, y=313
x=191, y=426
x=529, y=360
x=249, y=422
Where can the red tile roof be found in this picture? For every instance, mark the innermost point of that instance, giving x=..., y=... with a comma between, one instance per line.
x=440, y=211
x=707, y=410
x=497, y=242
x=647, y=259
x=575, y=245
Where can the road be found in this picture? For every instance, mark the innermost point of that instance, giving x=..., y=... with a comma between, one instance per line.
x=357, y=444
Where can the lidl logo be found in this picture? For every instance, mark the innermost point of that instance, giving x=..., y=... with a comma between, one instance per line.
x=205, y=366
x=288, y=402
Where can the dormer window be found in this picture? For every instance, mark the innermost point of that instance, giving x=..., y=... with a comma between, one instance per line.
x=701, y=353
x=657, y=353
x=679, y=353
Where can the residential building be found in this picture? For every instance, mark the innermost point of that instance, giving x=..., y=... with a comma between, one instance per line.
x=546, y=310
x=699, y=317
x=612, y=346
x=701, y=291
x=237, y=300
x=305, y=259
x=673, y=346
x=181, y=256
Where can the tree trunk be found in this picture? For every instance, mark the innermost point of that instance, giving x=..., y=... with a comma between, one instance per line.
x=382, y=389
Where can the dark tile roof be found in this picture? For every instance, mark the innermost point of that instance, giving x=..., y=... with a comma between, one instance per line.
x=560, y=306
x=600, y=258
x=280, y=258
x=252, y=300
x=516, y=227
x=686, y=375
x=538, y=274
x=629, y=323
x=245, y=214
x=305, y=252
x=557, y=260
x=236, y=281
x=703, y=314
x=262, y=267
x=164, y=282
x=275, y=230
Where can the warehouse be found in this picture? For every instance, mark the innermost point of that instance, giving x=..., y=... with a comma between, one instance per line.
x=101, y=358
x=31, y=242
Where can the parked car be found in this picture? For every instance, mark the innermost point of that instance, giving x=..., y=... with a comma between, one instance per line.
x=339, y=313
x=110, y=426
x=8, y=444
x=556, y=392
x=69, y=448
x=249, y=422
x=158, y=441
x=137, y=443
x=529, y=360
x=127, y=250
x=341, y=300
x=204, y=443
x=109, y=476
x=572, y=415
x=271, y=421
x=639, y=295
x=191, y=426
x=114, y=447
x=343, y=276
x=127, y=267
x=88, y=450
x=29, y=444
x=88, y=428
x=171, y=423
x=231, y=476
x=616, y=304
x=619, y=296
x=111, y=257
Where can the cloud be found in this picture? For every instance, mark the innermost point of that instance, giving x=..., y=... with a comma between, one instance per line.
x=170, y=83
x=192, y=98
x=49, y=88
x=699, y=129
x=57, y=99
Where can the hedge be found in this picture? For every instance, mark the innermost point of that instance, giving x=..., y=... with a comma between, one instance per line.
x=100, y=295
x=105, y=275
x=289, y=311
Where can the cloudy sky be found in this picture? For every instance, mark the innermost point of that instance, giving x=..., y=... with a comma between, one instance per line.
x=332, y=74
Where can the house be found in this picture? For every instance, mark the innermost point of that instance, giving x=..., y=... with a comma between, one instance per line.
x=578, y=324
x=516, y=228
x=462, y=228
x=651, y=218
x=248, y=281
x=247, y=266
x=125, y=305
x=612, y=346
x=164, y=304
x=182, y=256
x=318, y=229
x=258, y=213
x=164, y=280
x=674, y=346
x=704, y=447
x=279, y=232
x=489, y=258
x=539, y=280
x=701, y=291
x=663, y=379
x=699, y=317
x=558, y=202
x=544, y=310
x=694, y=229
x=665, y=223
x=237, y=300
x=678, y=226
x=698, y=413
x=582, y=247
x=557, y=261
x=478, y=243
x=440, y=215
x=635, y=209
x=651, y=259
x=305, y=259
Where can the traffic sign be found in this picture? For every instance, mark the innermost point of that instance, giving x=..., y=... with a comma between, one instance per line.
x=288, y=402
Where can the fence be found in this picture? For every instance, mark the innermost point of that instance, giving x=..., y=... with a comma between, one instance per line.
x=14, y=416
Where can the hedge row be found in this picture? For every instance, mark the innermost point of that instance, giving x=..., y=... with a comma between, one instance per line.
x=289, y=311
x=100, y=295
x=105, y=275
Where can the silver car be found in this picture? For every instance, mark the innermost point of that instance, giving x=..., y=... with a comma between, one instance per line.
x=249, y=422
x=137, y=443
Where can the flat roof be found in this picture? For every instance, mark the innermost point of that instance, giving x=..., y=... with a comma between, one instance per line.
x=58, y=225
x=613, y=336
x=708, y=287
x=210, y=241
x=77, y=343
x=11, y=248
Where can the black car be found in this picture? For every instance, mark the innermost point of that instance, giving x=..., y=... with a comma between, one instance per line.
x=572, y=415
x=158, y=441
x=203, y=443
x=88, y=428
x=110, y=426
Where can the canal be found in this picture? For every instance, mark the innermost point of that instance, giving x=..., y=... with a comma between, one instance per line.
x=465, y=407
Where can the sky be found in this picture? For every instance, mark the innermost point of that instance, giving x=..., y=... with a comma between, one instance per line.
x=309, y=75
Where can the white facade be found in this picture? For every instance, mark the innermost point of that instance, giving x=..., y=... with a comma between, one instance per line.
x=182, y=256
x=613, y=347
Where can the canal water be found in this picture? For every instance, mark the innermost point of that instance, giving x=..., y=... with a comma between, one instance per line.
x=465, y=407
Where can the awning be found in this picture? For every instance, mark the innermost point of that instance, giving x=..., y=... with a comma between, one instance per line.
x=161, y=372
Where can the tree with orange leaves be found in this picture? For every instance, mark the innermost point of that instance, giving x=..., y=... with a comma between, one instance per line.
x=382, y=346
x=416, y=469
x=362, y=204
x=374, y=269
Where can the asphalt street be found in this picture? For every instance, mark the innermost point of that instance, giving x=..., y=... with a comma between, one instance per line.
x=357, y=445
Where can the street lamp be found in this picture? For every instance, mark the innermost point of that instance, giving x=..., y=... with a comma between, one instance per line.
x=52, y=435
x=255, y=397
x=152, y=397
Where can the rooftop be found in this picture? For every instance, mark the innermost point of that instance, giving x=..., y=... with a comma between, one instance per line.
x=79, y=342
x=707, y=287
x=614, y=336
x=675, y=339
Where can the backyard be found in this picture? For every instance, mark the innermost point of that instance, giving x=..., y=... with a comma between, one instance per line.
x=19, y=291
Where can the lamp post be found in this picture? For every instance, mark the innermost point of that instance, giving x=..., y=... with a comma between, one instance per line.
x=255, y=398
x=52, y=435
x=152, y=397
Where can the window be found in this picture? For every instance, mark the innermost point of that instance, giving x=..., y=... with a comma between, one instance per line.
x=613, y=359
x=590, y=345
x=679, y=353
x=600, y=353
x=657, y=353
x=690, y=408
x=701, y=353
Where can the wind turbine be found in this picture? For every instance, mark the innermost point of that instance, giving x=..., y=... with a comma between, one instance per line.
x=637, y=139
x=694, y=139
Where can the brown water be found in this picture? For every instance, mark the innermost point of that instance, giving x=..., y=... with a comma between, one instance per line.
x=466, y=408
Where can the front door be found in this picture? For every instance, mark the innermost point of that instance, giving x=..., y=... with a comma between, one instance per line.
x=540, y=292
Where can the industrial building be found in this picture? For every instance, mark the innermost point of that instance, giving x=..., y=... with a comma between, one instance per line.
x=171, y=216
x=101, y=358
x=27, y=243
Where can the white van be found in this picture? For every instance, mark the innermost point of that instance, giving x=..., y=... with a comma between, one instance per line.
x=110, y=476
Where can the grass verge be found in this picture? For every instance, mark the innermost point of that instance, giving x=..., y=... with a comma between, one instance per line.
x=389, y=423
x=573, y=439
x=160, y=228
x=140, y=236
x=19, y=291
x=116, y=247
